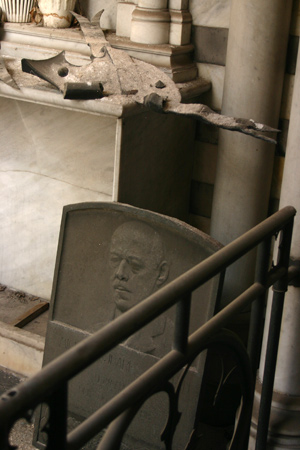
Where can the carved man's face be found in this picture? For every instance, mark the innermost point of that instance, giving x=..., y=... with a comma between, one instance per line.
x=137, y=265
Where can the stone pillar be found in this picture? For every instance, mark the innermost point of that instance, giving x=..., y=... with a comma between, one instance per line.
x=255, y=66
x=154, y=21
x=284, y=430
x=124, y=15
x=159, y=33
x=150, y=22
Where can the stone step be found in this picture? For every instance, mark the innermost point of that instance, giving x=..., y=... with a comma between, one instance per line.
x=21, y=349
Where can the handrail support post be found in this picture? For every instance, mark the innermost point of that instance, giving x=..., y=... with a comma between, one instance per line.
x=279, y=289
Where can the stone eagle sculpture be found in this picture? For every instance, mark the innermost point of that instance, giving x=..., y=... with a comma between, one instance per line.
x=113, y=74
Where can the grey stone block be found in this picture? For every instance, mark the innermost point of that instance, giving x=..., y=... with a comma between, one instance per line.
x=210, y=44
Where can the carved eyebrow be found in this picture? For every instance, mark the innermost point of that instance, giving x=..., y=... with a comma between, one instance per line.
x=136, y=260
x=114, y=259
x=131, y=259
x=114, y=255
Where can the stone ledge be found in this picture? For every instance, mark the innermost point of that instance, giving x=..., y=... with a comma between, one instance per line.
x=175, y=60
x=20, y=351
x=170, y=50
x=28, y=34
x=36, y=42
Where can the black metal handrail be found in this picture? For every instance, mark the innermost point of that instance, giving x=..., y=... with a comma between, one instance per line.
x=50, y=384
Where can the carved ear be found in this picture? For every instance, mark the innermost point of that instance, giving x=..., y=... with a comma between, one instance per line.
x=163, y=273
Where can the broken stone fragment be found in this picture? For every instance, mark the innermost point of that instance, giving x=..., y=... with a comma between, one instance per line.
x=155, y=102
x=83, y=91
x=124, y=75
x=160, y=84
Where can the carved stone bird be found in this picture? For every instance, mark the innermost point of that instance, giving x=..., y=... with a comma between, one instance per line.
x=115, y=75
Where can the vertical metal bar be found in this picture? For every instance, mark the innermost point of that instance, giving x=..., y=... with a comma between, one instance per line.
x=182, y=323
x=58, y=411
x=258, y=306
x=279, y=289
x=269, y=369
x=4, y=436
x=114, y=434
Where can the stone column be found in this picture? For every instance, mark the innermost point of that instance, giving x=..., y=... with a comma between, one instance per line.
x=284, y=430
x=255, y=66
x=150, y=22
x=125, y=9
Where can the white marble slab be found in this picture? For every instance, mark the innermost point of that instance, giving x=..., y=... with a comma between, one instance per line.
x=49, y=158
x=66, y=146
x=210, y=13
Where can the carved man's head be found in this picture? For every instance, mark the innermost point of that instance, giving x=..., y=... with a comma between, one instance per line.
x=137, y=262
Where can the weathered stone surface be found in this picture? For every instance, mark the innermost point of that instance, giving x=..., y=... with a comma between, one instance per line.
x=20, y=350
x=110, y=257
x=67, y=158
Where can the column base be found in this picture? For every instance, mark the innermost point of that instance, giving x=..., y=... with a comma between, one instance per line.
x=284, y=426
x=176, y=61
x=150, y=26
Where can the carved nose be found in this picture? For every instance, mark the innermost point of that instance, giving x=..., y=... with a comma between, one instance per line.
x=122, y=272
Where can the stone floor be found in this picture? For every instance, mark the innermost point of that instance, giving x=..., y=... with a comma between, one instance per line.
x=21, y=434
x=207, y=437
x=14, y=304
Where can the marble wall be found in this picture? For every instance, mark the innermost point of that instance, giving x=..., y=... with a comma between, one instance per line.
x=91, y=7
x=210, y=13
x=52, y=157
x=48, y=159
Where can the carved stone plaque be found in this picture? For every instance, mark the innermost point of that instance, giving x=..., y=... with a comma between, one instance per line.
x=111, y=257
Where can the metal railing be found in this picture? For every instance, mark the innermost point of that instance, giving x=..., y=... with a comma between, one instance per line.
x=50, y=385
